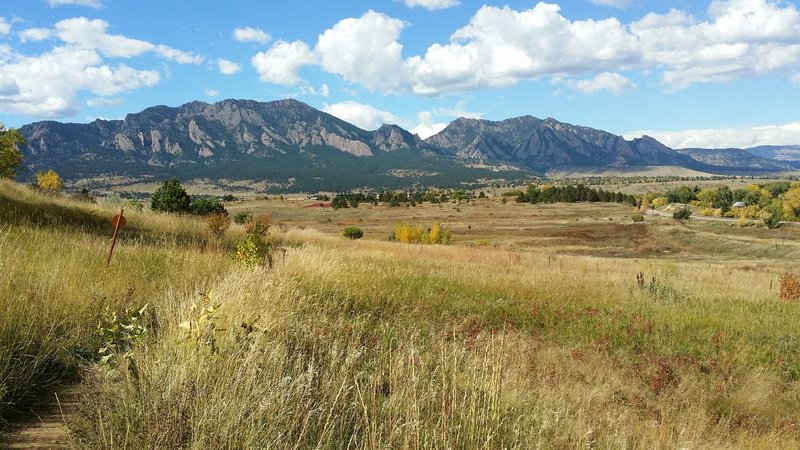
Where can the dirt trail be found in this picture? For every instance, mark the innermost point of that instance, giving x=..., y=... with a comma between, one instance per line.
x=41, y=425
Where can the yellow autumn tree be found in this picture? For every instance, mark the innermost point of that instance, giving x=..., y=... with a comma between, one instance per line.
x=434, y=235
x=407, y=234
x=791, y=204
x=49, y=181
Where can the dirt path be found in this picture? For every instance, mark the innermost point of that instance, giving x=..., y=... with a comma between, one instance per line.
x=41, y=425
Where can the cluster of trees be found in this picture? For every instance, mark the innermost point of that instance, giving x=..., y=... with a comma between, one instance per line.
x=435, y=234
x=398, y=198
x=172, y=197
x=772, y=201
x=572, y=194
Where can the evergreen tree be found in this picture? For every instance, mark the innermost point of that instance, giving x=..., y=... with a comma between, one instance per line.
x=170, y=197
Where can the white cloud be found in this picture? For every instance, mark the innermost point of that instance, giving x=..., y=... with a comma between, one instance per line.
x=100, y=102
x=427, y=127
x=612, y=3
x=178, y=56
x=361, y=115
x=432, y=4
x=502, y=46
x=606, y=81
x=35, y=34
x=249, y=34
x=323, y=91
x=211, y=92
x=47, y=85
x=741, y=38
x=84, y=33
x=8, y=86
x=97, y=4
x=228, y=67
x=5, y=27
x=787, y=134
x=365, y=51
x=282, y=61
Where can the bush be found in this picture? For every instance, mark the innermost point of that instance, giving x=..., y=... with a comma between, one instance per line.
x=353, y=232
x=682, y=214
x=436, y=234
x=258, y=225
x=218, y=223
x=637, y=217
x=250, y=251
x=203, y=206
x=170, y=197
x=790, y=287
x=242, y=218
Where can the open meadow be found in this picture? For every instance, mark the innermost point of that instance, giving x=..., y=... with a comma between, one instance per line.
x=540, y=326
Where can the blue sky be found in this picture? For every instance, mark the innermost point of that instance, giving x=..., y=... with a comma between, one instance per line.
x=691, y=73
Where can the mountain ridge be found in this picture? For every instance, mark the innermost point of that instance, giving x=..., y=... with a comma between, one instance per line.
x=283, y=140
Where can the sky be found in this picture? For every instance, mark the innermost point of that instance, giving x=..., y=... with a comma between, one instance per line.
x=691, y=73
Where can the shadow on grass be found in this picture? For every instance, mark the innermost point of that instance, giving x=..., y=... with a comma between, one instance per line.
x=61, y=215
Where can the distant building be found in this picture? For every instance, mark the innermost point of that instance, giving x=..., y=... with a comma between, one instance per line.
x=738, y=205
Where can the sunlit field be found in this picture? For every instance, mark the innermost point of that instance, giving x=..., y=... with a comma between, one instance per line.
x=539, y=326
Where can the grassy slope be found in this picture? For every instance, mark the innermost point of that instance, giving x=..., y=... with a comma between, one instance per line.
x=54, y=283
x=371, y=344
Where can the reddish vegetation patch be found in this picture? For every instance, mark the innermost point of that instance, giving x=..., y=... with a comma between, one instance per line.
x=318, y=205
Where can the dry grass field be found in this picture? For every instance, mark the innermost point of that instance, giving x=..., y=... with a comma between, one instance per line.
x=539, y=326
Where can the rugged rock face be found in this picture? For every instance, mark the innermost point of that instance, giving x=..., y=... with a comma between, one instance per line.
x=290, y=138
x=205, y=133
x=542, y=145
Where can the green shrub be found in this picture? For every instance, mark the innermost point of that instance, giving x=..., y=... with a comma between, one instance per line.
x=203, y=206
x=682, y=214
x=242, y=218
x=170, y=197
x=637, y=217
x=250, y=251
x=353, y=232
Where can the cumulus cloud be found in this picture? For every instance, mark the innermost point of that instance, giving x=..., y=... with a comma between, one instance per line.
x=427, y=127
x=363, y=116
x=365, y=51
x=211, y=92
x=35, y=34
x=249, y=34
x=432, y=4
x=501, y=46
x=787, y=134
x=228, y=67
x=97, y=4
x=281, y=62
x=741, y=38
x=5, y=27
x=612, y=3
x=8, y=86
x=606, y=81
x=47, y=85
x=84, y=33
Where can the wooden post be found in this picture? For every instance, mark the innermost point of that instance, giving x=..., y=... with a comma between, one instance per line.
x=119, y=222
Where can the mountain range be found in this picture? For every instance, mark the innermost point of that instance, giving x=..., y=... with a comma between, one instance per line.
x=289, y=146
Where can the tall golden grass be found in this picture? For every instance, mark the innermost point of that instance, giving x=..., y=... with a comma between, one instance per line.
x=371, y=344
